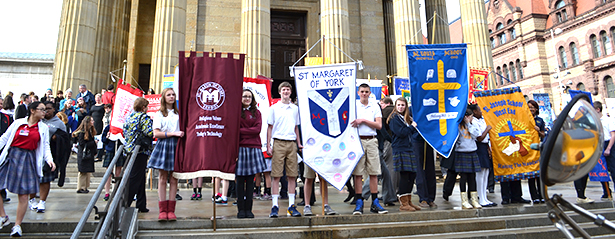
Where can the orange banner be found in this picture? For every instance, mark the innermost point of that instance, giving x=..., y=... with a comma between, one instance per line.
x=513, y=131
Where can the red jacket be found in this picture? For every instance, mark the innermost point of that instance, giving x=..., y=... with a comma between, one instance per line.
x=108, y=98
x=250, y=129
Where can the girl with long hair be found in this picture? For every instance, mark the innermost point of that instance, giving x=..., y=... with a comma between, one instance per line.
x=404, y=161
x=534, y=183
x=466, y=161
x=85, y=152
x=166, y=130
x=250, y=160
x=25, y=149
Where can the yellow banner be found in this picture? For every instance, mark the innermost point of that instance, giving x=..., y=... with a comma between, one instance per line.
x=513, y=131
x=316, y=61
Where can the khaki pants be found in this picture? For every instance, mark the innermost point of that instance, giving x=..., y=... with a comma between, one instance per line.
x=83, y=183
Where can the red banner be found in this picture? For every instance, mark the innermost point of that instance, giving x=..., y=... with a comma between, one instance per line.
x=153, y=106
x=124, y=100
x=478, y=82
x=210, y=105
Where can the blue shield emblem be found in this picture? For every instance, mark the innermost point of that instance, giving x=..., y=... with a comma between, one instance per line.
x=329, y=110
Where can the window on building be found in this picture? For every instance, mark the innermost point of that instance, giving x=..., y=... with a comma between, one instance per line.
x=606, y=43
x=513, y=34
x=506, y=72
x=513, y=72
x=499, y=71
x=562, y=57
x=610, y=88
x=575, y=54
x=581, y=87
x=559, y=17
x=564, y=15
x=492, y=43
x=502, y=38
x=519, y=69
x=509, y=22
x=560, y=4
x=595, y=46
x=499, y=26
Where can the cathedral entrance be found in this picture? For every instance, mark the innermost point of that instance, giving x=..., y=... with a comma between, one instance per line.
x=287, y=46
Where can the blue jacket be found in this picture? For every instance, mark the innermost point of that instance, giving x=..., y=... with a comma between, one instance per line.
x=401, y=134
x=108, y=144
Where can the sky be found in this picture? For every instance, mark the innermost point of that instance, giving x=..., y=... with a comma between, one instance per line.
x=32, y=26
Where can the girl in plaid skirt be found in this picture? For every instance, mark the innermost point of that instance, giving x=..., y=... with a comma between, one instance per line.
x=27, y=149
x=166, y=130
x=466, y=160
x=250, y=160
x=403, y=127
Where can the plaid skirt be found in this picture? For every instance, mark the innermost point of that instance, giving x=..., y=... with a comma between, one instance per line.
x=48, y=175
x=250, y=161
x=163, y=155
x=466, y=162
x=109, y=157
x=404, y=161
x=18, y=173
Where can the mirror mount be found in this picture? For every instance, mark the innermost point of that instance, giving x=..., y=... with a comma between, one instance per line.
x=560, y=218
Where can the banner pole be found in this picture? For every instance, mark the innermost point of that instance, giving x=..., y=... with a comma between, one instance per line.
x=213, y=180
x=433, y=29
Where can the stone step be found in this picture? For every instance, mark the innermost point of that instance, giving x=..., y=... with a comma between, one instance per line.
x=367, y=225
x=50, y=229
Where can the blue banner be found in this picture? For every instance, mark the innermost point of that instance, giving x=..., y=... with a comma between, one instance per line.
x=439, y=85
x=600, y=173
x=545, y=109
x=401, y=84
x=573, y=93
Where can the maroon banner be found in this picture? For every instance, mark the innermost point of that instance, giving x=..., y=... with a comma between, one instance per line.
x=210, y=89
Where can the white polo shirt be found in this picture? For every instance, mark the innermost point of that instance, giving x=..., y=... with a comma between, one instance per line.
x=370, y=112
x=166, y=124
x=607, y=126
x=284, y=118
x=482, y=126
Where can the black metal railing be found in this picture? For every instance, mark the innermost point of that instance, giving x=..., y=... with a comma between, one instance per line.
x=111, y=218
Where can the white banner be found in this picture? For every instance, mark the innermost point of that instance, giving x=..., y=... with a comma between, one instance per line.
x=609, y=106
x=261, y=94
x=124, y=101
x=327, y=98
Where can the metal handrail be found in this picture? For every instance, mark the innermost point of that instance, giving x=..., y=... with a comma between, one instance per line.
x=117, y=197
x=101, y=186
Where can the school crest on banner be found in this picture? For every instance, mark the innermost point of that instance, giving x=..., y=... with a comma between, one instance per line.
x=327, y=98
x=439, y=85
x=512, y=134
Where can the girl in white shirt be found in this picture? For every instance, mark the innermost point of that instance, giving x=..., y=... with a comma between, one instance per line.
x=166, y=130
x=466, y=161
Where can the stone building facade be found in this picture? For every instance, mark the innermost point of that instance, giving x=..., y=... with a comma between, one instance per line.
x=96, y=36
x=548, y=46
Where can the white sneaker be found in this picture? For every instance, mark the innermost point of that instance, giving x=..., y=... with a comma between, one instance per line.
x=40, y=207
x=585, y=200
x=16, y=231
x=32, y=204
x=5, y=222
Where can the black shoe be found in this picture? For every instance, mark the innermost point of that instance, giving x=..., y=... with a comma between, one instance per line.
x=143, y=210
x=445, y=196
x=249, y=214
x=536, y=201
x=6, y=199
x=350, y=197
x=389, y=204
x=491, y=191
x=505, y=202
x=241, y=214
x=178, y=197
x=81, y=191
x=302, y=203
x=520, y=200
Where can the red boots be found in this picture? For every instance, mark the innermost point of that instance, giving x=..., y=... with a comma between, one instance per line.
x=167, y=210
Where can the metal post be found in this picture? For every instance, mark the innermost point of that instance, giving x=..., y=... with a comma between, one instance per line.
x=213, y=180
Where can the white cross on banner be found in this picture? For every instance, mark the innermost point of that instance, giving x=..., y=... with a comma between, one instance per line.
x=326, y=107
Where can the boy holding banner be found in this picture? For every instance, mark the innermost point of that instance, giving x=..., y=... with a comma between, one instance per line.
x=369, y=119
x=283, y=128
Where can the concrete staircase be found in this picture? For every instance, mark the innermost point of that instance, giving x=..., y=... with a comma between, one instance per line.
x=72, y=174
x=506, y=222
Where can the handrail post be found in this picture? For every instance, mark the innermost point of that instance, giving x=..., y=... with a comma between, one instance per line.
x=96, y=195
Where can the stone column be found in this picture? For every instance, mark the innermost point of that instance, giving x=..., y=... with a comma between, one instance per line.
x=407, y=31
x=100, y=75
x=389, y=34
x=256, y=37
x=476, y=34
x=336, y=28
x=76, y=45
x=441, y=34
x=119, y=35
x=169, y=38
